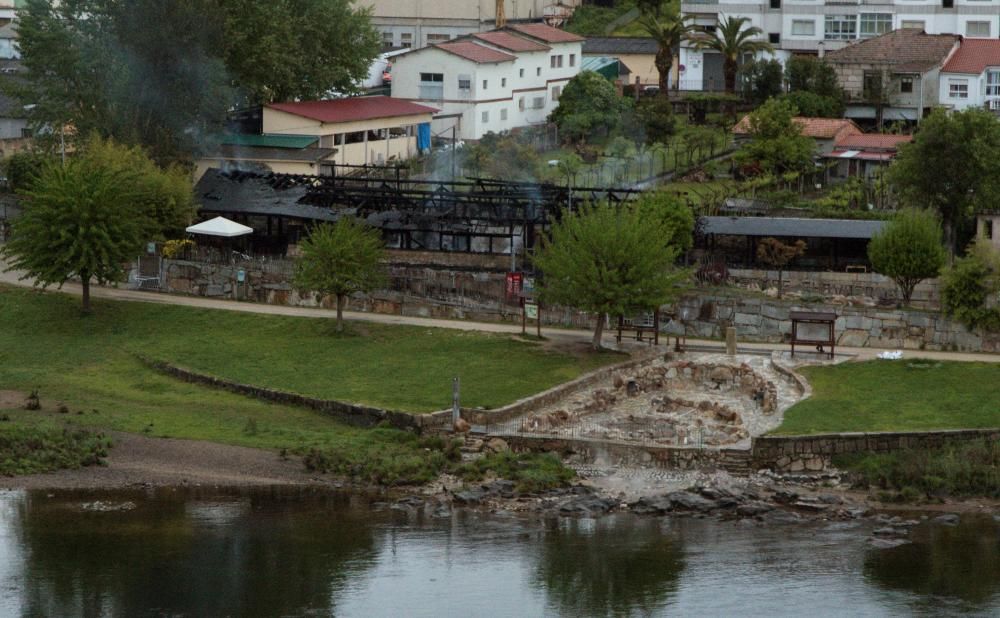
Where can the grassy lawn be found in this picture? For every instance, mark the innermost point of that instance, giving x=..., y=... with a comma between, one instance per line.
x=909, y=395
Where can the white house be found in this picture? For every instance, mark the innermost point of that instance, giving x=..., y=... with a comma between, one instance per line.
x=491, y=81
x=812, y=26
x=971, y=76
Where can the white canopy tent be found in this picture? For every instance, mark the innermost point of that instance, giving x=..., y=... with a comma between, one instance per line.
x=220, y=226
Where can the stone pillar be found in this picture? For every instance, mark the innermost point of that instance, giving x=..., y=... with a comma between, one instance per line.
x=731, y=340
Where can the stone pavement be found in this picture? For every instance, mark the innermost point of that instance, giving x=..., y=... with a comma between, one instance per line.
x=562, y=334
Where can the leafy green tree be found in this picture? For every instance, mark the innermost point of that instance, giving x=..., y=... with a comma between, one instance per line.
x=22, y=168
x=589, y=105
x=340, y=259
x=908, y=250
x=733, y=42
x=777, y=145
x=814, y=105
x=967, y=287
x=163, y=73
x=80, y=220
x=676, y=216
x=656, y=116
x=761, y=79
x=662, y=20
x=778, y=254
x=608, y=259
x=952, y=166
x=811, y=74
x=503, y=156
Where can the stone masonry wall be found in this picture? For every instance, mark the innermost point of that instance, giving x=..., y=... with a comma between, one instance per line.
x=839, y=288
x=814, y=453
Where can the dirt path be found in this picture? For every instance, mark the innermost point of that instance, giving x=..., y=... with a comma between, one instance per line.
x=138, y=460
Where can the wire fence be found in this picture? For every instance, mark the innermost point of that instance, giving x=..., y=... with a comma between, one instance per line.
x=643, y=430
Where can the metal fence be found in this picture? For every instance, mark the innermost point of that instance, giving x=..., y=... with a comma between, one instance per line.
x=625, y=429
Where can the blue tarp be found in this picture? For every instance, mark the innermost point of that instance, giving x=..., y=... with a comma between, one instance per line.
x=424, y=136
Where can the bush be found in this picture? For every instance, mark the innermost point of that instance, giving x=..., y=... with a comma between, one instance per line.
x=31, y=451
x=968, y=285
x=957, y=469
x=533, y=472
x=815, y=105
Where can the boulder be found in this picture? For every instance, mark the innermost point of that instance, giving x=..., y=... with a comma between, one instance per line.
x=587, y=505
x=948, y=519
x=721, y=375
x=753, y=509
x=462, y=426
x=496, y=445
x=689, y=501
x=469, y=496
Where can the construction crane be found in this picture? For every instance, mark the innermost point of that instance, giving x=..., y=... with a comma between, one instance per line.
x=501, y=15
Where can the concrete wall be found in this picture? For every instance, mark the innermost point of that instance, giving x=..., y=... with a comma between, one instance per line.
x=814, y=453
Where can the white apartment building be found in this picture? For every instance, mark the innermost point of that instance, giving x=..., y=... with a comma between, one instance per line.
x=971, y=76
x=418, y=23
x=491, y=81
x=809, y=25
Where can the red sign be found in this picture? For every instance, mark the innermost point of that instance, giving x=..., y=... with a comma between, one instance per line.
x=514, y=283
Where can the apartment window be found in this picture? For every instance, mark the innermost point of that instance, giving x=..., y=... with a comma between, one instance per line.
x=520, y=73
x=538, y=103
x=872, y=85
x=503, y=82
x=916, y=24
x=27, y=132
x=572, y=60
x=993, y=83
x=774, y=38
x=431, y=86
x=486, y=84
x=906, y=84
x=538, y=72
x=486, y=117
x=803, y=27
x=503, y=114
x=775, y=4
x=406, y=39
x=552, y=62
x=432, y=77
x=841, y=27
x=464, y=82
x=556, y=91
x=977, y=28
x=874, y=24
x=958, y=88
x=433, y=39
x=988, y=229
x=520, y=104
x=947, y=4
x=387, y=40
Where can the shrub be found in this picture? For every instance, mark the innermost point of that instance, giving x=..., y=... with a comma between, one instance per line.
x=30, y=451
x=967, y=286
x=533, y=472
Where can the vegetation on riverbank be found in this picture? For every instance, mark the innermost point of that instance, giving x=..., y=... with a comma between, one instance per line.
x=384, y=456
x=30, y=448
x=954, y=470
x=532, y=472
x=910, y=395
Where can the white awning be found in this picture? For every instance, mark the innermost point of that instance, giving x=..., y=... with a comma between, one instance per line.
x=220, y=226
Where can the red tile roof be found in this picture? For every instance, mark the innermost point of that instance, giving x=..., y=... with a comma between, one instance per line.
x=546, y=33
x=510, y=42
x=353, y=109
x=973, y=56
x=908, y=50
x=480, y=54
x=873, y=141
x=816, y=128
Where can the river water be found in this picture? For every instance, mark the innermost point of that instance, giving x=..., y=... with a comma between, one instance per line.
x=282, y=553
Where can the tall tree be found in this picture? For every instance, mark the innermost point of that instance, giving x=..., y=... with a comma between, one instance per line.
x=340, y=259
x=80, y=220
x=608, y=259
x=733, y=42
x=163, y=73
x=588, y=105
x=952, y=165
x=662, y=21
x=777, y=145
x=908, y=250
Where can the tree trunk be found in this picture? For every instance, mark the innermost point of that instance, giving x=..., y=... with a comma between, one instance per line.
x=949, y=238
x=85, y=283
x=598, y=332
x=729, y=70
x=340, y=312
x=664, y=60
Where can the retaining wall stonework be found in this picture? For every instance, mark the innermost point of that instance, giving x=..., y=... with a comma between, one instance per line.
x=862, y=286
x=814, y=453
x=611, y=453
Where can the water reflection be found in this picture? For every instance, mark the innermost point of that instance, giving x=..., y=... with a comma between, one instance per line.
x=609, y=566
x=252, y=555
x=957, y=563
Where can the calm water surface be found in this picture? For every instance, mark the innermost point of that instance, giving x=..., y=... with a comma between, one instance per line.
x=275, y=553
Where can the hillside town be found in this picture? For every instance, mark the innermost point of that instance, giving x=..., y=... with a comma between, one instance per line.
x=499, y=307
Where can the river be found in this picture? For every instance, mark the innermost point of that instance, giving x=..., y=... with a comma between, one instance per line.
x=169, y=552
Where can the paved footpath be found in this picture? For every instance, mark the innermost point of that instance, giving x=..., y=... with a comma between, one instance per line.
x=563, y=334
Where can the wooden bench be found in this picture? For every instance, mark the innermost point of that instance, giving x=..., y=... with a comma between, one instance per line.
x=647, y=324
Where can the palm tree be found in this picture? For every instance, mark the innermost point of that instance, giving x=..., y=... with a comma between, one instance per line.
x=663, y=22
x=733, y=41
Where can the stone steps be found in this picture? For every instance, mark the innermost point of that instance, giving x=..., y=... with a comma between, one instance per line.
x=735, y=462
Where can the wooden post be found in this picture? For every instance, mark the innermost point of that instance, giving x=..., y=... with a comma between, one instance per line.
x=656, y=328
x=731, y=340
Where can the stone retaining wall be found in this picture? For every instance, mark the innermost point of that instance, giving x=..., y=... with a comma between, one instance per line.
x=608, y=453
x=763, y=319
x=814, y=453
x=863, y=286
x=350, y=413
